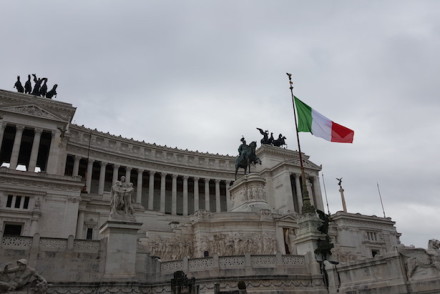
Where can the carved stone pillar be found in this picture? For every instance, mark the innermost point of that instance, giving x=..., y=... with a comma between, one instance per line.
x=151, y=191
x=89, y=175
x=80, y=225
x=16, y=147
x=35, y=149
x=317, y=193
x=207, y=205
x=185, y=195
x=162, y=191
x=228, y=196
x=174, y=196
x=2, y=131
x=196, y=194
x=102, y=178
x=139, y=186
x=309, y=189
x=115, y=173
x=54, y=152
x=298, y=191
x=127, y=174
x=76, y=166
x=34, y=222
x=217, y=196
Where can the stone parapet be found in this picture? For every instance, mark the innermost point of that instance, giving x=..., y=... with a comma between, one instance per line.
x=57, y=259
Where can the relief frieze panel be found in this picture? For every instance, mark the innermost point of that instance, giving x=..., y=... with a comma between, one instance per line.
x=63, y=111
x=222, y=244
x=32, y=110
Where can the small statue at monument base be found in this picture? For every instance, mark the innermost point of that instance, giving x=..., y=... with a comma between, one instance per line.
x=22, y=277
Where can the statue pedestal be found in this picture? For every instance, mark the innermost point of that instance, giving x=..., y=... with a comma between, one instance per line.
x=307, y=239
x=248, y=194
x=121, y=244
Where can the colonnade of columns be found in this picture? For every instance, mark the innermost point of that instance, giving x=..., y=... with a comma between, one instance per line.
x=17, y=144
x=140, y=190
x=313, y=188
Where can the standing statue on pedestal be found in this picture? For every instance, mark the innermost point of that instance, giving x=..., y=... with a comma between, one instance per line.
x=121, y=198
x=341, y=190
x=246, y=156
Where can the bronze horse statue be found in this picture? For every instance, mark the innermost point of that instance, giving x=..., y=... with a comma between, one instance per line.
x=247, y=158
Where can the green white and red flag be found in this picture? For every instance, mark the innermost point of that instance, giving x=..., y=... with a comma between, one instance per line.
x=309, y=120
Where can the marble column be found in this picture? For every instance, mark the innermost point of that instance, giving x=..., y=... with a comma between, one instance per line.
x=80, y=225
x=35, y=149
x=174, y=196
x=139, y=186
x=228, y=196
x=76, y=166
x=298, y=191
x=128, y=174
x=318, y=195
x=16, y=147
x=2, y=131
x=162, y=191
x=196, y=194
x=89, y=175
x=115, y=173
x=151, y=191
x=185, y=195
x=207, y=205
x=217, y=196
x=34, y=222
x=102, y=178
x=309, y=189
x=53, y=160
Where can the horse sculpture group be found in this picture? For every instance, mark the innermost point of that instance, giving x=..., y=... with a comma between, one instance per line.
x=246, y=157
x=281, y=141
x=39, y=89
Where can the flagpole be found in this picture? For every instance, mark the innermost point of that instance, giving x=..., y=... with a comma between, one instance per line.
x=307, y=206
x=380, y=196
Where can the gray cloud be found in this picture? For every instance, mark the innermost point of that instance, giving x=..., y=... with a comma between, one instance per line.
x=200, y=74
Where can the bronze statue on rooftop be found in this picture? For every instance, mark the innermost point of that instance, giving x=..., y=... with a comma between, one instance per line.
x=18, y=85
x=266, y=140
x=39, y=89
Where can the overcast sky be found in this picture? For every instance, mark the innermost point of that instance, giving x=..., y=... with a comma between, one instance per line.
x=198, y=75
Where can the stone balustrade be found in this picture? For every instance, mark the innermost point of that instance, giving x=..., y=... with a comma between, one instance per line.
x=78, y=259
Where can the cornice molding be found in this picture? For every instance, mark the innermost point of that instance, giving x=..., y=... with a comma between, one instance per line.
x=95, y=133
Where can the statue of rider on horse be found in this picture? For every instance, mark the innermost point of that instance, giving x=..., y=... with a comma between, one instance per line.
x=246, y=156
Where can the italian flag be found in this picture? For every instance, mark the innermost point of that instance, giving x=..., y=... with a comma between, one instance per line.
x=309, y=120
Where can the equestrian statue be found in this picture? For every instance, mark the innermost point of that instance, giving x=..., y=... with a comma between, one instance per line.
x=246, y=156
